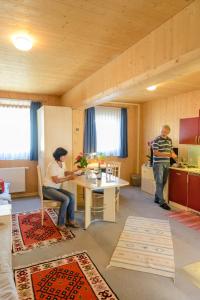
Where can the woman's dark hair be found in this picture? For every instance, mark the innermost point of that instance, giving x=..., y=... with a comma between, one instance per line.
x=59, y=152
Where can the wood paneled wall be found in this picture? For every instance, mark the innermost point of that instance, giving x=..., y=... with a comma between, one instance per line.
x=31, y=172
x=129, y=164
x=156, y=113
x=77, y=135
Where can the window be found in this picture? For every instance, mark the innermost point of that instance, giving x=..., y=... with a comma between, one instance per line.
x=15, y=130
x=108, y=130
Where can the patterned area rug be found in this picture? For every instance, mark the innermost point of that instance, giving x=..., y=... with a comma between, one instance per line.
x=28, y=232
x=189, y=219
x=70, y=277
x=145, y=245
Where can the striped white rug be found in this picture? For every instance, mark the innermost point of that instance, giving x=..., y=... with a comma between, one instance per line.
x=145, y=245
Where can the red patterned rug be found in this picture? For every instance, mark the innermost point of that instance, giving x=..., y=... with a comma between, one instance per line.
x=28, y=232
x=72, y=277
x=188, y=218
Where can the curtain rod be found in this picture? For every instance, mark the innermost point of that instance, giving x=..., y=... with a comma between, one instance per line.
x=14, y=105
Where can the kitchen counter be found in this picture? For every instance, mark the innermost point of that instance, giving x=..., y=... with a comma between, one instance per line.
x=184, y=186
x=186, y=169
x=148, y=182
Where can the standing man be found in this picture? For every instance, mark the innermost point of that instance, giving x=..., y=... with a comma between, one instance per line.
x=162, y=151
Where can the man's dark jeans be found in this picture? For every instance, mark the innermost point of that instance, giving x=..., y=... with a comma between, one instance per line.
x=161, y=172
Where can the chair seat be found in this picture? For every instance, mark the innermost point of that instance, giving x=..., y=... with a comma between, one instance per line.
x=51, y=203
x=101, y=191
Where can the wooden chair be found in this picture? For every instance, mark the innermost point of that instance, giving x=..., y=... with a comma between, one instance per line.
x=112, y=168
x=44, y=203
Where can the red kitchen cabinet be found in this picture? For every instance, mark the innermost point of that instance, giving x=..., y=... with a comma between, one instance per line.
x=178, y=186
x=194, y=191
x=189, y=131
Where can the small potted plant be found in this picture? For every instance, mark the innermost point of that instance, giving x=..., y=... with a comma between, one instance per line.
x=101, y=158
x=81, y=161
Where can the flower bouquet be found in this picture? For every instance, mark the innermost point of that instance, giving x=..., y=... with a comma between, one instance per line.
x=81, y=160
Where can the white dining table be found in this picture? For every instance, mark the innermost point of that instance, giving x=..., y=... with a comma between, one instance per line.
x=108, y=183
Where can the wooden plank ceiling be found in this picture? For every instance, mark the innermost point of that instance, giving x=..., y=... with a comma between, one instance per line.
x=72, y=38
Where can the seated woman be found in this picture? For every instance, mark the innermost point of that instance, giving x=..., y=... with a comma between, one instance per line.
x=55, y=175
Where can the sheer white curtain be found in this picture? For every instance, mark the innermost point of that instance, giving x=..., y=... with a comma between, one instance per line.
x=15, y=132
x=108, y=130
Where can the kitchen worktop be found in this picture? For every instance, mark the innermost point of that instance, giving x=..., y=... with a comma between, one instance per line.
x=186, y=169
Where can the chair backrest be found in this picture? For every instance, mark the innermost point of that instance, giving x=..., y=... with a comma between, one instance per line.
x=39, y=183
x=114, y=168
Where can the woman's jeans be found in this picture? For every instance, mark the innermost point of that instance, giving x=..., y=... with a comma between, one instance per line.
x=161, y=172
x=66, y=212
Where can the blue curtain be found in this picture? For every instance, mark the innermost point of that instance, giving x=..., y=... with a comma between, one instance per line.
x=123, y=133
x=90, y=139
x=34, y=131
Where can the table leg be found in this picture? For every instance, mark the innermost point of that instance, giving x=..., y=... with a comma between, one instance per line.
x=75, y=196
x=109, y=203
x=72, y=188
x=88, y=202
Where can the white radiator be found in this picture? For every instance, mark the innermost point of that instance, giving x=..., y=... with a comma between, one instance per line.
x=16, y=178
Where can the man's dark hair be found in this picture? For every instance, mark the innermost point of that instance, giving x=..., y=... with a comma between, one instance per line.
x=59, y=152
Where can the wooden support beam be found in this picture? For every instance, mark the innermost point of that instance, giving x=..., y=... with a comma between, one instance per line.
x=45, y=99
x=170, y=51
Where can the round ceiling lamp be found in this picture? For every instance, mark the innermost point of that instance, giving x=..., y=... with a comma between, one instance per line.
x=151, y=88
x=22, y=42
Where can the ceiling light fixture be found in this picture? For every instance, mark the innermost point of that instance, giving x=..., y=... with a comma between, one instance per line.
x=22, y=42
x=151, y=88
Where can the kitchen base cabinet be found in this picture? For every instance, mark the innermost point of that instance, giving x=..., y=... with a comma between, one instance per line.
x=148, y=183
x=194, y=191
x=178, y=187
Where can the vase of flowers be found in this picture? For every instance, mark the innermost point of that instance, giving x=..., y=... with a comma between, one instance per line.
x=81, y=161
